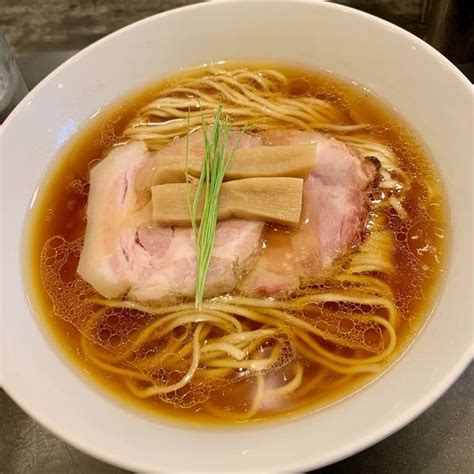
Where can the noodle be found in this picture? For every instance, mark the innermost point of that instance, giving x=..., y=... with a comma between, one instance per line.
x=229, y=349
x=239, y=345
x=157, y=390
x=304, y=341
x=244, y=100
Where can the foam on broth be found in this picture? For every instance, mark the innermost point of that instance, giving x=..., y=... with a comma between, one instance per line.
x=421, y=242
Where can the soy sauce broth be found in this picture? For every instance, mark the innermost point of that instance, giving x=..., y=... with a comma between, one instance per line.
x=421, y=249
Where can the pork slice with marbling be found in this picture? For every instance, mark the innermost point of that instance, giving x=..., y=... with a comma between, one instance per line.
x=335, y=208
x=126, y=253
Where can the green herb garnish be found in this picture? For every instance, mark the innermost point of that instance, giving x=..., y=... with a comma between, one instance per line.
x=215, y=162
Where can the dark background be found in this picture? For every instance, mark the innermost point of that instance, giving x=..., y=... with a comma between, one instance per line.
x=43, y=33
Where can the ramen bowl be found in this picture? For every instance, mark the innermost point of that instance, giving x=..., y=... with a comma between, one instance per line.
x=424, y=87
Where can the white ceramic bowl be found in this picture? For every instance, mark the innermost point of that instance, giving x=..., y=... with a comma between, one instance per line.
x=425, y=88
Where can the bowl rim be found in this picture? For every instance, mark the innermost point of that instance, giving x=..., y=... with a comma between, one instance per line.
x=212, y=3
x=385, y=428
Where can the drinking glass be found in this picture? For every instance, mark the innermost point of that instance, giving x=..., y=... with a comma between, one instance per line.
x=12, y=84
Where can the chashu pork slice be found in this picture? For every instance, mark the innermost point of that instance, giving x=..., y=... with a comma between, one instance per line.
x=126, y=253
x=335, y=208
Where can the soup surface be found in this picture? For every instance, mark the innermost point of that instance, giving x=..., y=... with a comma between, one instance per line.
x=297, y=350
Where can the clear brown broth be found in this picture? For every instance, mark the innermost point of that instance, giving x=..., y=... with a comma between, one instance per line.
x=60, y=210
